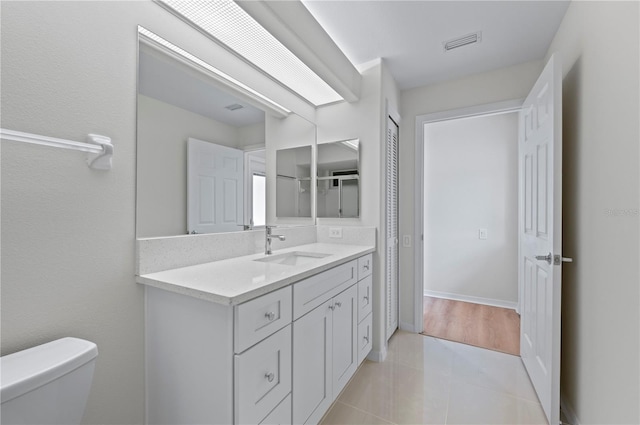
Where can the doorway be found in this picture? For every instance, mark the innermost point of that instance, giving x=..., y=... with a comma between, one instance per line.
x=471, y=230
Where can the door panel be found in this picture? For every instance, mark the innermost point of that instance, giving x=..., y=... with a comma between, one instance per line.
x=312, y=365
x=540, y=235
x=345, y=337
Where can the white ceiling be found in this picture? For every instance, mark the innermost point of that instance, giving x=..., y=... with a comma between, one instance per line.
x=169, y=81
x=409, y=35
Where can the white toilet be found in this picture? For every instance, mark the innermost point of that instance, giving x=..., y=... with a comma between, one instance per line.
x=47, y=384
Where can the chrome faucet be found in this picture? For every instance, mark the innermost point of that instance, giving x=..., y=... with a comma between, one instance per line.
x=269, y=236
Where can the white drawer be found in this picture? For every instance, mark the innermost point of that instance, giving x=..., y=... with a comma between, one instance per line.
x=281, y=415
x=310, y=293
x=260, y=317
x=364, y=338
x=262, y=377
x=365, y=266
x=365, y=289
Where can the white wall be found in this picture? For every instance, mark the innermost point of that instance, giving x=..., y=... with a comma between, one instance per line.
x=471, y=182
x=69, y=69
x=365, y=120
x=598, y=43
x=163, y=131
x=490, y=87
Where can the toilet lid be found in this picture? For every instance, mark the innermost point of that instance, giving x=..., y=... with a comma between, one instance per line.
x=29, y=369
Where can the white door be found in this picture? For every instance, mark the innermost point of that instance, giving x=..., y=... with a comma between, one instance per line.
x=215, y=200
x=391, y=213
x=540, y=233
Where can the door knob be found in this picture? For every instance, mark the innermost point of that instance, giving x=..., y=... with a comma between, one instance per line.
x=556, y=260
x=548, y=258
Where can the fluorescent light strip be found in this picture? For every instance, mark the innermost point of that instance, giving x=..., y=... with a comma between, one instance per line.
x=186, y=55
x=228, y=23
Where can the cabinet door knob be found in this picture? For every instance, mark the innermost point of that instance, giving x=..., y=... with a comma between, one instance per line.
x=270, y=376
x=332, y=307
x=338, y=304
x=366, y=266
x=366, y=339
x=270, y=315
x=366, y=298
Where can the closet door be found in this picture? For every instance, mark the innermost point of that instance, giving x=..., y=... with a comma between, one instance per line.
x=391, y=221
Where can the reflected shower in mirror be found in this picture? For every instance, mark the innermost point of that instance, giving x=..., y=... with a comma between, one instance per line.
x=200, y=151
x=338, y=193
x=293, y=182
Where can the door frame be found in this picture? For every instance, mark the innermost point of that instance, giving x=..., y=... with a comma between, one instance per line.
x=418, y=216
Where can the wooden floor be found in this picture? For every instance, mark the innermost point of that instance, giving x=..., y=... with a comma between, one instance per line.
x=484, y=326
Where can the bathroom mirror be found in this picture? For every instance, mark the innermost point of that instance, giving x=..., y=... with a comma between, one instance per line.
x=293, y=182
x=338, y=179
x=202, y=153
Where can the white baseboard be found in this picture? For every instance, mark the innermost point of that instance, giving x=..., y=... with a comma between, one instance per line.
x=567, y=410
x=471, y=299
x=377, y=356
x=408, y=327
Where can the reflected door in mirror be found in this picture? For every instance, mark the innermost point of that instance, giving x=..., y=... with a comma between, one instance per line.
x=215, y=201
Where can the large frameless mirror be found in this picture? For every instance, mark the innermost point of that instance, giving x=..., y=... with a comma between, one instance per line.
x=338, y=179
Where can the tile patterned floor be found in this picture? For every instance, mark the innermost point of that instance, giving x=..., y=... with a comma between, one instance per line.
x=425, y=380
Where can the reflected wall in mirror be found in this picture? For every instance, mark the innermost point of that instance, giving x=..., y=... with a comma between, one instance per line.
x=293, y=182
x=338, y=193
x=200, y=152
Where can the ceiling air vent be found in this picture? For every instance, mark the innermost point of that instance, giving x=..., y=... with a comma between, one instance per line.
x=234, y=107
x=476, y=37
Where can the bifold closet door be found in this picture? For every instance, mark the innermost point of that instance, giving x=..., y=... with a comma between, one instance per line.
x=391, y=221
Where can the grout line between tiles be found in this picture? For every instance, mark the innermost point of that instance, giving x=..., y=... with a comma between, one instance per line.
x=364, y=411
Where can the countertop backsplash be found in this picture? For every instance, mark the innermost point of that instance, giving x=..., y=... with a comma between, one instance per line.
x=165, y=253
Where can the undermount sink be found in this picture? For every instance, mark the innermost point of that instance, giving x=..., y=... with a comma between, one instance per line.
x=294, y=258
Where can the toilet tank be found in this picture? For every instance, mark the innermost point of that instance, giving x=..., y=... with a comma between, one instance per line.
x=47, y=384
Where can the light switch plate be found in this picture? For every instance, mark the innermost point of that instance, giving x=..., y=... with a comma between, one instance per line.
x=335, y=232
x=483, y=234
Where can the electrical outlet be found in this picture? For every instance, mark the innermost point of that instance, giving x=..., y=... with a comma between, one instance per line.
x=335, y=232
x=482, y=234
x=406, y=241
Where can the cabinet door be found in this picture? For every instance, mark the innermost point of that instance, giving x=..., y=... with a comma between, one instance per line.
x=345, y=337
x=312, y=348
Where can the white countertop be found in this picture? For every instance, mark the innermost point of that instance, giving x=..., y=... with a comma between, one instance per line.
x=241, y=279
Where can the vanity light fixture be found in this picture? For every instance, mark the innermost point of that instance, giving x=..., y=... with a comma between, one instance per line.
x=213, y=71
x=229, y=24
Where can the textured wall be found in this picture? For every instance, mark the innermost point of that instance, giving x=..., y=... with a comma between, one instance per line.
x=68, y=232
x=600, y=319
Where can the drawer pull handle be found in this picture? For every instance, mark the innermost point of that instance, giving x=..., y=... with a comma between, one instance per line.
x=270, y=315
x=338, y=304
x=269, y=376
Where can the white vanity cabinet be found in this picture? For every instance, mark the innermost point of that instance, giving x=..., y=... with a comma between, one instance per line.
x=280, y=358
x=210, y=363
x=326, y=340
